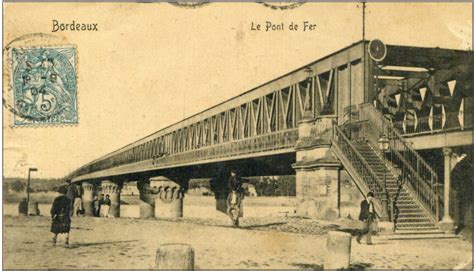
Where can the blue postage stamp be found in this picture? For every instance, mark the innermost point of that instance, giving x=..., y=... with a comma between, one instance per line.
x=44, y=84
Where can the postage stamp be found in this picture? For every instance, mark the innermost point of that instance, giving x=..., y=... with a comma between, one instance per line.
x=44, y=85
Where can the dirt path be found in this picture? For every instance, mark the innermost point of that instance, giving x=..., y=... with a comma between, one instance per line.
x=131, y=243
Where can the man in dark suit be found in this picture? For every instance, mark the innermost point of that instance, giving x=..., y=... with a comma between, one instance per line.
x=235, y=197
x=367, y=215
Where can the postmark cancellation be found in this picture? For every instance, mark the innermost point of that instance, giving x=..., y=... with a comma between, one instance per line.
x=44, y=85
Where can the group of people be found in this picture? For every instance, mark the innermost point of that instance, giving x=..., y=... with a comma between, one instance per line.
x=101, y=204
x=235, y=200
x=69, y=204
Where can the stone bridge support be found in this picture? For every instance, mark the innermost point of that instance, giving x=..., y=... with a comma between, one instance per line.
x=161, y=197
x=112, y=189
x=317, y=170
x=447, y=223
x=147, y=199
x=88, y=198
x=169, y=200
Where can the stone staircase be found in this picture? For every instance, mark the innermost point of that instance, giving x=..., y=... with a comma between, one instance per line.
x=408, y=214
x=415, y=206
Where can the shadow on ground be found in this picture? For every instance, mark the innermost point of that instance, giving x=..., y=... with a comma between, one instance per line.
x=79, y=245
x=251, y=227
x=359, y=266
x=308, y=266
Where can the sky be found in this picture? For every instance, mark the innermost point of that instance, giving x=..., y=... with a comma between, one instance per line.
x=151, y=65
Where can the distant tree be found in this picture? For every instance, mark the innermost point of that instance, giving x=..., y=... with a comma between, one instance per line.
x=18, y=186
x=287, y=185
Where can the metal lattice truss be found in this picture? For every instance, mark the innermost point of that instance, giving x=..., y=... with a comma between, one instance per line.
x=419, y=89
x=266, y=123
x=425, y=99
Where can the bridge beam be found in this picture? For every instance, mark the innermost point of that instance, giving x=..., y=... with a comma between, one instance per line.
x=317, y=171
x=112, y=188
x=88, y=198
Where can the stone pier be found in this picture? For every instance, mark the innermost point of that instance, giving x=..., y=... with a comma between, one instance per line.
x=169, y=200
x=88, y=198
x=113, y=190
x=147, y=199
x=317, y=170
x=160, y=197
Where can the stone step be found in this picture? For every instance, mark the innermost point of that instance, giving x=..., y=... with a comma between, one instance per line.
x=420, y=219
x=404, y=195
x=398, y=236
x=405, y=200
x=419, y=232
x=406, y=203
x=408, y=209
x=411, y=215
x=416, y=229
x=372, y=158
x=423, y=225
x=369, y=154
x=411, y=211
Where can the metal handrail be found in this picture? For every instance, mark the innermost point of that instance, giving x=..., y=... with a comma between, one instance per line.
x=342, y=140
x=368, y=108
x=414, y=169
x=266, y=142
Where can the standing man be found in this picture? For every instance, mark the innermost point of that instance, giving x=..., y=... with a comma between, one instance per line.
x=367, y=215
x=235, y=197
x=23, y=207
x=235, y=182
x=95, y=204
x=105, y=206
x=61, y=216
x=78, y=208
x=71, y=194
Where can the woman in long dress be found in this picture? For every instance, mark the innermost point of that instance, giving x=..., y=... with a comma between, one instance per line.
x=61, y=216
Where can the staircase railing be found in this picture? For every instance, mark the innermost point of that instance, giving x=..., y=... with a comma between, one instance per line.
x=413, y=169
x=358, y=162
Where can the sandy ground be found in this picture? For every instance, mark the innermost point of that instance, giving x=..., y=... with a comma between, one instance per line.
x=265, y=242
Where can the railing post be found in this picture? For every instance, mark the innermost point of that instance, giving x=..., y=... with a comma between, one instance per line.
x=392, y=213
x=437, y=208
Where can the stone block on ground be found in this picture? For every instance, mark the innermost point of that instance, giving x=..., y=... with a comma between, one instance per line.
x=338, y=250
x=175, y=256
x=33, y=208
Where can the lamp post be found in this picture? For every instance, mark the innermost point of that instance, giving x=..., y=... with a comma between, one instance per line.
x=383, y=146
x=28, y=184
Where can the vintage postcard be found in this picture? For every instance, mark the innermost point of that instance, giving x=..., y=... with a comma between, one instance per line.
x=237, y=135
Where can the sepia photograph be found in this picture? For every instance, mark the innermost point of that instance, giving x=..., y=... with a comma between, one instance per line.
x=237, y=135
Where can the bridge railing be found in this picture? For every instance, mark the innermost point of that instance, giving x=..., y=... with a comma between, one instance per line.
x=268, y=142
x=413, y=169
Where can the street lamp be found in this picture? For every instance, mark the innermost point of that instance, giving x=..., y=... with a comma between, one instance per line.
x=28, y=185
x=383, y=146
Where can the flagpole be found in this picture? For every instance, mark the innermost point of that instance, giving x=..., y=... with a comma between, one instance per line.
x=363, y=20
